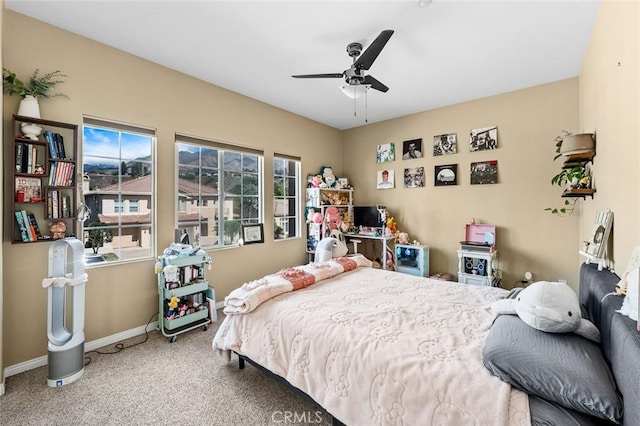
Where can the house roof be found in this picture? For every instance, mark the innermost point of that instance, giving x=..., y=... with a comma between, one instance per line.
x=143, y=183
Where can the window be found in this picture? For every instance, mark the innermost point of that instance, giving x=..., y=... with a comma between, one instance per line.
x=133, y=206
x=286, y=199
x=117, y=188
x=219, y=189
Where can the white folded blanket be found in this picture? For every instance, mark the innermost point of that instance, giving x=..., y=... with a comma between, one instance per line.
x=253, y=293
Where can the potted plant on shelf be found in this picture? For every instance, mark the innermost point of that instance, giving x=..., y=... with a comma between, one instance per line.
x=38, y=86
x=575, y=177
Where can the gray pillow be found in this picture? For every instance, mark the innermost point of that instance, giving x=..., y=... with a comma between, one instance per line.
x=560, y=367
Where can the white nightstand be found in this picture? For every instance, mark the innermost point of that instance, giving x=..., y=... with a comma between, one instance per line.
x=477, y=267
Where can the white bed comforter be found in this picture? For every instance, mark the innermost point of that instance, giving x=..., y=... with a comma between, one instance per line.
x=377, y=347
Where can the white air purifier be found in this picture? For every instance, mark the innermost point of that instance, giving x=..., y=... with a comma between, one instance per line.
x=66, y=282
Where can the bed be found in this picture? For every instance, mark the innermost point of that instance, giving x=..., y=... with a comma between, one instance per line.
x=379, y=347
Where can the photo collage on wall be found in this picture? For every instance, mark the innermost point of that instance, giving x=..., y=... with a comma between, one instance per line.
x=481, y=172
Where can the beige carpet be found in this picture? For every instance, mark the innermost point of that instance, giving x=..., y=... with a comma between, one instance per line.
x=159, y=383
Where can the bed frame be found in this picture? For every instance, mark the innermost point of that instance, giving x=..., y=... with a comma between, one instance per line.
x=620, y=339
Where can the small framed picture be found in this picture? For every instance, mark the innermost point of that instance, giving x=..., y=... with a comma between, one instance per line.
x=386, y=179
x=483, y=139
x=385, y=152
x=253, y=233
x=446, y=175
x=414, y=177
x=412, y=149
x=445, y=144
x=484, y=172
x=342, y=183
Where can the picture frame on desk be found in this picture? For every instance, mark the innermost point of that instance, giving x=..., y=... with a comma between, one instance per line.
x=253, y=234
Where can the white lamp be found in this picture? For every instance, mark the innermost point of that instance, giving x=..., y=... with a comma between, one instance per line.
x=354, y=91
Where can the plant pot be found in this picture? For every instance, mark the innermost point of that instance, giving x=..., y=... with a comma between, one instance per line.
x=29, y=107
x=578, y=144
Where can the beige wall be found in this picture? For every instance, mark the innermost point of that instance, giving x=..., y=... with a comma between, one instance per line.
x=110, y=84
x=610, y=107
x=604, y=100
x=528, y=237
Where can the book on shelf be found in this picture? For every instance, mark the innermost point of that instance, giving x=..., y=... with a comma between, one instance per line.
x=34, y=226
x=51, y=142
x=22, y=227
x=19, y=149
x=32, y=188
x=55, y=204
x=30, y=231
x=66, y=206
x=60, y=145
x=24, y=157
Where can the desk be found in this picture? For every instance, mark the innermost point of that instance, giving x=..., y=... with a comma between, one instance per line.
x=383, y=238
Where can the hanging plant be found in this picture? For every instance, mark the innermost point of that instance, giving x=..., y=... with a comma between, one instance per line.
x=39, y=85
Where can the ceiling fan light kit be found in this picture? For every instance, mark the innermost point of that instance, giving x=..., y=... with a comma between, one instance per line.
x=354, y=91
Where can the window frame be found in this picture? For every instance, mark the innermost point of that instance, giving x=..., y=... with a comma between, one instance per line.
x=147, y=231
x=296, y=162
x=220, y=203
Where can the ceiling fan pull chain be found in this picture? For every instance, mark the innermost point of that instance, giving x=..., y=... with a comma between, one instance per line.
x=354, y=107
x=366, y=106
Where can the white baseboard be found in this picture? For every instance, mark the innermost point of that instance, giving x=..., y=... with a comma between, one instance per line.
x=89, y=346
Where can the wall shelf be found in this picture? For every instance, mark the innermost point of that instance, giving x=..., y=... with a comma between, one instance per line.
x=579, y=193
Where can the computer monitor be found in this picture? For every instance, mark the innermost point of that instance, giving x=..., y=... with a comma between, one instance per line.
x=368, y=216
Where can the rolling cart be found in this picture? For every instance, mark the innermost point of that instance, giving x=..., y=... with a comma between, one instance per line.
x=182, y=295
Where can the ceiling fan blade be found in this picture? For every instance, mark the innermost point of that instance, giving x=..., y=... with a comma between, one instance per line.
x=365, y=60
x=333, y=75
x=375, y=84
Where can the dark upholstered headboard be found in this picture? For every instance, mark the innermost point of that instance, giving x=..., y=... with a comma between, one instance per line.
x=620, y=339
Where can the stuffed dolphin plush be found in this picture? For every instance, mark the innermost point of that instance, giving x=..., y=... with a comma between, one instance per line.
x=329, y=247
x=548, y=306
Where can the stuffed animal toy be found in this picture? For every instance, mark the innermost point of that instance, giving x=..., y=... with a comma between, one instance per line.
x=333, y=218
x=328, y=248
x=173, y=304
x=403, y=238
x=328, y=178
x=548, y=306
x=178, y=250
x=170, y=273
x=57, y=229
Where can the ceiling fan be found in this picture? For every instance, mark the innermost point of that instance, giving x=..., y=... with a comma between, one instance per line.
x=354, y=75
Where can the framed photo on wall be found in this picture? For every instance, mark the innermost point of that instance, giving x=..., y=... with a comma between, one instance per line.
x=412, y=149
x=385, y=152
x=253, y=233
x=483, y=139
x=484, y=172
x=385, y=179
x=445, y=144
x=414, y=177
x=445, y=175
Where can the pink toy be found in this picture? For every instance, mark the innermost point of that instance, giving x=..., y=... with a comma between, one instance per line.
x=317, y=218
x=333, y=218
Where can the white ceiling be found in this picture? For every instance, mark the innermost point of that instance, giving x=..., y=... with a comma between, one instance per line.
x=447, y=52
